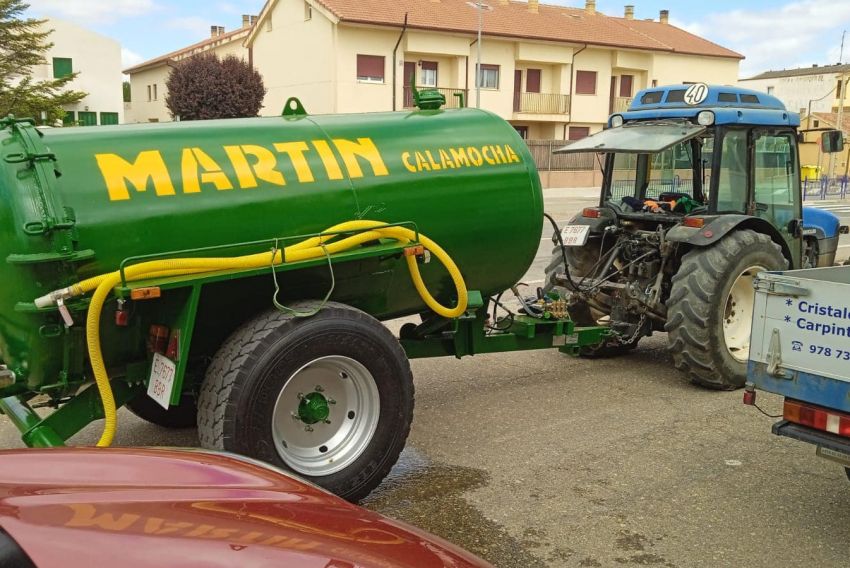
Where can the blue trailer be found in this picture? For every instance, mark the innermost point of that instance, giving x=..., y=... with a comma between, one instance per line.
x=800, y=349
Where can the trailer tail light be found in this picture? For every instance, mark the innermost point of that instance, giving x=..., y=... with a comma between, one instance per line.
x=158, y=339
x=817, y=417
x=694, y=222
x=591, y=213
x=173, y=351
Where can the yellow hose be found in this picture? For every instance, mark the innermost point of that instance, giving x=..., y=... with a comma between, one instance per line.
x=315, y=247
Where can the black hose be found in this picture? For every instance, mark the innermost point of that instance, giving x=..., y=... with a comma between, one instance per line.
x=563, y=251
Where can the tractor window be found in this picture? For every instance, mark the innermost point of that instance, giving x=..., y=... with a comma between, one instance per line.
x=732, y=175
x=776, y=178
x=671, y=170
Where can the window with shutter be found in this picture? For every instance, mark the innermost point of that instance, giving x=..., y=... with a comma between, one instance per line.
x=585, y=82
x=626, y=85
x=532, y=80
x=489, y=76
x=370, y=68
x=428, y=74
x=579, y=132
x=62, y=67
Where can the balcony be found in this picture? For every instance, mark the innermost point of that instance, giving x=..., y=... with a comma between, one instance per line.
x=541, y=103
x=451, y=100
x=621, y=104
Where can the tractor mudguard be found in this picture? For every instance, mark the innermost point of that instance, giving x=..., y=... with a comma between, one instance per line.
x=718, y=226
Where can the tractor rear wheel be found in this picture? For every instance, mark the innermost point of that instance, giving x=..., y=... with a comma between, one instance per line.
x=710, y=310
x=329, y=397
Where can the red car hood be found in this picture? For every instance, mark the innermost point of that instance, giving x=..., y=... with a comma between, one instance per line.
x=156, y=507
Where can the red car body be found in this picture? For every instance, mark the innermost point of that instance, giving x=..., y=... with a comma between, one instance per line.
x=162, y=508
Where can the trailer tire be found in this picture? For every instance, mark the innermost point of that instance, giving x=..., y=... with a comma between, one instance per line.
x=704, y=328
x=252, y=401
x=185, y=415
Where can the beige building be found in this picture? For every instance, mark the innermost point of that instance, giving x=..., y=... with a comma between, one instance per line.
x=553, y=72
x=97, y=59
x=806, y=89
x=147, y=80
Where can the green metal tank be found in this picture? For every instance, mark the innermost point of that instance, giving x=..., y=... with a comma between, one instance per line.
x=78, y=201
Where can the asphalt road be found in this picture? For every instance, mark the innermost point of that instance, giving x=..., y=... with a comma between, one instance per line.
x=540, y=460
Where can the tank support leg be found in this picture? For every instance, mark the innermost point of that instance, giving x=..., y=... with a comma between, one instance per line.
x=76, y=414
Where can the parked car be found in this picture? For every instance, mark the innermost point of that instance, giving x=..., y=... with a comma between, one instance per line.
x=133, y=507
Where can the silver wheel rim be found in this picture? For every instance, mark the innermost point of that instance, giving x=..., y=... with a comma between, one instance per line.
x=738, y=314
x=353, y=404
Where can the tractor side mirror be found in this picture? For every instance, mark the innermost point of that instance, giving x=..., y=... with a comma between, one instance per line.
x=832, y=141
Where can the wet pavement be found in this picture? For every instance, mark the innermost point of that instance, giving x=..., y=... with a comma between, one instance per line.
x=540, y=460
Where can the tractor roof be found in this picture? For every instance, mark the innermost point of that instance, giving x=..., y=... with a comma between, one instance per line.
x=731, y=105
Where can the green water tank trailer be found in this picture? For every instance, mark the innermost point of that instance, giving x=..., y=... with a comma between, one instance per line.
x=329, y=396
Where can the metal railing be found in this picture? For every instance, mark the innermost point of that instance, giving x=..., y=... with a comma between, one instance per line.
x=826, y=187
x=621, y=104
x=541, y=103
x=451, y=100
x=546, y=161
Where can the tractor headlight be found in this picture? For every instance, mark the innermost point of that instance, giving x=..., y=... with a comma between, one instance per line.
x=617, y=121
x=705, y=118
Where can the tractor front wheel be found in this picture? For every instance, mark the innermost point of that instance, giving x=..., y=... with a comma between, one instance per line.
x=329, y=397
x=710, y=310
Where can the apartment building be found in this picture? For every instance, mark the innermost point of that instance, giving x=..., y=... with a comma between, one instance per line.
x=554, y=72
x=814, y=89
x=147, y=79
x=97, y=59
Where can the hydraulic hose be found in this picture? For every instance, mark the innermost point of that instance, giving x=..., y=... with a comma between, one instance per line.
x=315, y=247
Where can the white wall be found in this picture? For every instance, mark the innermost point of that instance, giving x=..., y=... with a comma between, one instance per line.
x=796, y=92
x=153, y=109
x=98, y=60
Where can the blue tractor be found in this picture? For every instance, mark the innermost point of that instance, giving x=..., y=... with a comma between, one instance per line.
x=701, y=192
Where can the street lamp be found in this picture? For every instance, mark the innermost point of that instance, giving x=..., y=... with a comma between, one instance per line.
x=481, y=7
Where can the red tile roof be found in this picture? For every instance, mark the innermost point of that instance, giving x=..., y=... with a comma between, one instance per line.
x=831, y=120
x=553, y=23
x=195, y=47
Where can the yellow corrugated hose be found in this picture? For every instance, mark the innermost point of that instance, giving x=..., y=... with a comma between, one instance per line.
x=315, y=247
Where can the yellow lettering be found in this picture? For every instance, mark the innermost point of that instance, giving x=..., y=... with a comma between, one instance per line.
x=149, y=166
x=500, y=156
x=511, y=154
x=297, y=544
x=487, y=152
x=421, y=163
x=263, y=167
x=405, y=159
x=431, y=161
x=295, y=151
x=363, y=148
x=459, y=157
x=445, y=160
x=474, y=156
x=196, y=161
x=86, y=516
x=249, y=537
x=328, y=159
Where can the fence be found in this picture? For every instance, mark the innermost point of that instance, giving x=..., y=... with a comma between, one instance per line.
x=825, y=188
x=541, y=103
x=546, y=161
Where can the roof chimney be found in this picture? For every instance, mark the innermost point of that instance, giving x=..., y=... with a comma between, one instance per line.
x=664, y=17
x=533, y=6
x=246, y=21
x=213, y=31
x=254, y=20
x=630, y=12
x=590, y=6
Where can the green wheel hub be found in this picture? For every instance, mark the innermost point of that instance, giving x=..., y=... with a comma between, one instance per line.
x=313, y=408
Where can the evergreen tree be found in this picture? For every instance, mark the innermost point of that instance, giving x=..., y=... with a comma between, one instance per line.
x=23, y=43
x=204, y=87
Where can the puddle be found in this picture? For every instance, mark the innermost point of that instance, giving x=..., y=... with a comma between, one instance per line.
x=429, y=495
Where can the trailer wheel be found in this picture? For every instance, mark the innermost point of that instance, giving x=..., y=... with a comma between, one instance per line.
x=710, y=308
x=329, y=397
x=183, y=416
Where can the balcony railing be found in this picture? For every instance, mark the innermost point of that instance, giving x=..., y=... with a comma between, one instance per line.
x=451, y=100
x=541, y=103
x=621, y=104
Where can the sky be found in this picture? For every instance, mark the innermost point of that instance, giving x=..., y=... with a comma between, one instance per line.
x=778, y=34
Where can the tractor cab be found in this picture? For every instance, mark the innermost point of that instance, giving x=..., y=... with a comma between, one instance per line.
x=706, y=151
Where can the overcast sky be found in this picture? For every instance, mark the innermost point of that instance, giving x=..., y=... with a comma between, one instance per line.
x=771, y=34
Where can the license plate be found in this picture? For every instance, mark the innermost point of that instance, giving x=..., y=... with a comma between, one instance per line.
x=834, y=455
x=575, y=235
x=162, y=380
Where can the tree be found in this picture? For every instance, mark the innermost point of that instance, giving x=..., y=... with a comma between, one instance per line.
x=205, y=87
x=23, y=43
x=128, y=97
